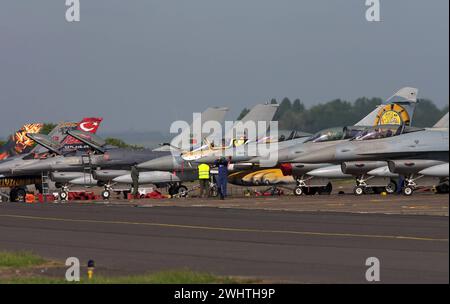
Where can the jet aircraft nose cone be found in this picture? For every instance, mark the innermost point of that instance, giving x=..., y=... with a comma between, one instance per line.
x=124, y=179
x=164, y=163
x=382, y=171
x=324, y=155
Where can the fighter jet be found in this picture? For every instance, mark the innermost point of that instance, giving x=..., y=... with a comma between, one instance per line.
x=181, y=166
x=370, y=175
x=56, y=143
x=419, y=155
x=398, y=109
x=181, y=161
x=104, y=163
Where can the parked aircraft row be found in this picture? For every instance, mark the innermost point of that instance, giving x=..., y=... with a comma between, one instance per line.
x=382, y=152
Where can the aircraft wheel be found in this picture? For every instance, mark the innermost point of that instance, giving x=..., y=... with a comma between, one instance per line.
x=20, y=196
x=106, y=194
x=378, y=190
x=298, y=191
x=213, y=191
x=173, y=190
x=182, y=191
x=63, y=195
x=391, y=187
x=326, y=190
x=358, y=190
x=125, y=194
x=310, y=190
x=442, y=188
x=408, y=190
x=13, y=195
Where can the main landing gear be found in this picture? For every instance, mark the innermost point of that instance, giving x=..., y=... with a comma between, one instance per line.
x=106, y=193
x=178, y=190
x=64, y=192
x=375, y=186
x=17, y=194
x=303, y=189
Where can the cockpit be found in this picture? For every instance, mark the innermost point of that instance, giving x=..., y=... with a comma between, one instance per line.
x=361, y=133
x=296, y=134
x=384, y=131
x=334, y=134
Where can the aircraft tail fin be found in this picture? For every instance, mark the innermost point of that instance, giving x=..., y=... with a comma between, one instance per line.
x=46, y=142
x=259, y=113
x=397, y=109
x=64, y=142
x=88, y=125
x=19, y=142
x=443, y=122
x=189, y=134
x=93, y=141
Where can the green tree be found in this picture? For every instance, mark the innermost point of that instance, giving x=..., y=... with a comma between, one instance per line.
x=120, y=143
x=298, y=106
x=284, y=107
x=47, y=128
x=427, y=114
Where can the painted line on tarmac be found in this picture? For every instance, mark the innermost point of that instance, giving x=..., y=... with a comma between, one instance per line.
x=228, y=229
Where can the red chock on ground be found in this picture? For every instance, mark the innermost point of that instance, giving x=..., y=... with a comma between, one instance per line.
x=49, y=198
x=82, y=196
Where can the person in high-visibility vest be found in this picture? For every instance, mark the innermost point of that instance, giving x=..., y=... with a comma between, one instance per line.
x=203, y=177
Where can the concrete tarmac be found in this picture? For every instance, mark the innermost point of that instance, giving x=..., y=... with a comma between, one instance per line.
x=271, y=245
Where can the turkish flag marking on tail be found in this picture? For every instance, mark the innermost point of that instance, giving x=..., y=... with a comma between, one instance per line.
x=90, y=124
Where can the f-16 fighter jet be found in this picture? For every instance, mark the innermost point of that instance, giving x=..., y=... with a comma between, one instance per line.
x=103, y=163
x=56, y=143
x=397, y=110
x=419, y=155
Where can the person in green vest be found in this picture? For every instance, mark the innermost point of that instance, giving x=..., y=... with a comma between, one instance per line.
x=203, y=178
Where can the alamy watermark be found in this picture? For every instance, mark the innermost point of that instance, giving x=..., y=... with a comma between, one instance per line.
x=373, y=12
x=73, y=10
x=73, y=272
x=236, y=140
x=373, y=272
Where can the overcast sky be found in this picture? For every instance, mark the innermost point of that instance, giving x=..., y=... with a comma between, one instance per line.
x=143, y=63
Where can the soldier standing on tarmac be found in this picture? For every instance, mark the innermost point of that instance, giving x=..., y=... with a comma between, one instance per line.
x=135, y=179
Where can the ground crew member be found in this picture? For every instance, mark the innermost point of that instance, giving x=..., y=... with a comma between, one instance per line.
x=203, y=178
x=135, y=179
x=222, y=177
